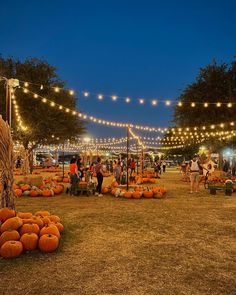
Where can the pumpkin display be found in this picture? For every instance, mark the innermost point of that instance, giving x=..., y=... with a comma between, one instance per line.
x=50, y=229
x=29, y=241
x=6, y=213
x=11, y=224
x=11, y=249
x=48, y=243
x=29, y=228
x=24, y=215
x=9, y=235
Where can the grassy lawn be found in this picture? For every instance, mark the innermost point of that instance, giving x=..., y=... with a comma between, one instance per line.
x=184, y=244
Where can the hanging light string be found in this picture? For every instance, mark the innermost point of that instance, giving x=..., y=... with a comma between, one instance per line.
x=20, y=124
x=125, y=125
x=128, y=99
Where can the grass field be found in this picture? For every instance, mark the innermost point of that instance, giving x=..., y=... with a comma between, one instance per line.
x=184, y=244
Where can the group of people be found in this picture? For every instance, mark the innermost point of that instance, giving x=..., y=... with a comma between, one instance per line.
x=78, y=172
x=120, y=170
x=159, y=166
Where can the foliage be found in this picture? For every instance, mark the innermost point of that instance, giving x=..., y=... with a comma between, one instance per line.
x=42, y=121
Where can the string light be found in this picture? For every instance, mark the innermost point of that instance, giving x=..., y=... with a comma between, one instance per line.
x=193, y=104
x=229, y=105
x=56, y=89
x=127, y=99
x=206, y=104
x=180, y=104
x=218, y=104
x=141, y=101
x=168, y=103
x=114, y=97
x=100, y=96
x=154, y=102
x=86, y=94
x=71, y=92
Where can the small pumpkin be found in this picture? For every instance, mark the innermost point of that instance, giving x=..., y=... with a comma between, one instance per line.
x=59, y=226
x=42, y=213
x=29, y=241
x=11, y=249
x=18, y=192
x=25, y=187
x=37, y=220
x=48, y=243
x=33, y=193
x=29, y=228
x=148, y=194
x=50, y=229
x=9, y=235
x=105, y=190
x=25, y=215
x=6, y=213
x=54, y=218
x=46, y=220
x=11, y=224
x=137, y=195
x=47, y=193
x=128, y=195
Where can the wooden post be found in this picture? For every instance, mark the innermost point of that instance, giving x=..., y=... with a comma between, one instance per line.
x=127, y=158
x=63, y=160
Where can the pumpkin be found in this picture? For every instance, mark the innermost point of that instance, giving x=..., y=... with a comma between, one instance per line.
x=48, y=243
x=127, y=195
x=57, y=190
x=50, y=229
x=66, y=180
x=137, y=195
x=25, y=215
x=11, y=249
x=115, y=184
x=33, y=193
x=42, y=213
x=29, y=241
x=46, y=220
x=54, y=218
x=25, y=187
x=158, y=195
x=29, y=228
x=26, y=193
x=11, y=224
x=38, y=221
x=105, y=190
x=18, y=192
x=9, y=235
x=59, y=226
x=47, y=193
x=148, y=194
x=6, y=213
x=28, y=220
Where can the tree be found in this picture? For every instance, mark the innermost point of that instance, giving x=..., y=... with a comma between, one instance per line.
x=45, y=125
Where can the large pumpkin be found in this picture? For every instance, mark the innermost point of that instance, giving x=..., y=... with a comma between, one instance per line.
x=50, y=229
x=48, y=243
x=137, y=195
x=29, y=228
x=25, y=215
x=9, y=235
x=6, y=213
x=29, y=241
x=148, y=194
x=11, y=224
x=11, y=249
x=128, y=195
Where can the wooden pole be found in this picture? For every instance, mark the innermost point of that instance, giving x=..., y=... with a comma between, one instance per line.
x=63, y=160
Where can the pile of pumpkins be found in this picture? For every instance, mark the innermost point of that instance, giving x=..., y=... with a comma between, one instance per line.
x=47, y=188
x=24, y=232
x=137, y=193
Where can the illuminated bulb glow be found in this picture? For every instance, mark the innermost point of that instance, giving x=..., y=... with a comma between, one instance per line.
x=26, y=84
x=86, y=94
x=218, y=104
x=114, y=97
x=100, y=96
x=205, y=104
x=180, y=104
x=141, y=101
x=229, y=105
x=154, y=102
x=167, y=103
x=71, y=92
x=193, y=104
x=56, y=89
x=127, y=99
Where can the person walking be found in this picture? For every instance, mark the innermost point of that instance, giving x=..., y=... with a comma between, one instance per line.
x=99, y=172
x=74, y=177
x=194, y=168
x=164, y=166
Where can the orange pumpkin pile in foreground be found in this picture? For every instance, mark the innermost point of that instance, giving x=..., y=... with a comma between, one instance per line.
x=23, y=231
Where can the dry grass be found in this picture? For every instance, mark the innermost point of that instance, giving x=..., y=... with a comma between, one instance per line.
x=184, y=244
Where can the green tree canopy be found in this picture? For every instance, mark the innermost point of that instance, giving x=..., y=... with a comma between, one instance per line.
x=42, y=121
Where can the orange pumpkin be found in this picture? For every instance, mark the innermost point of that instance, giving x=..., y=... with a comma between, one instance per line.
x=137, y=195
x=105, y=190
x=38, y=221
x=115, y=184
x=18, y=192
x=57, y=190
x=47, y=193
x=25, y=187
x=148, y=194
x=9, y=235
x=54, y=218
x=29, y=241
x=42, y=213
x=25, y=215
x=11, y=224
x=33, y=193
x=128, y=195
x=11, y=249
x=50, y=229
x=6, y=213
x=59, y=226
x=29, y=228
x=48, y=243
x=158, y=195
x=66, y=180
x=46, y=220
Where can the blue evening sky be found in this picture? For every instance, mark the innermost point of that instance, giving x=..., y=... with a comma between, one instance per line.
x=135, y=48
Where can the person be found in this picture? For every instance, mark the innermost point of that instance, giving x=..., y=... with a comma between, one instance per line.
x=80, y=167
x=74, y=176
x=132, y=166
x=156, y=168
x=117, y=172
x=164, y=166
x=18, y=162
x=225, y=166
x=234, y=168
x=194, y=168
x=99, y=172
